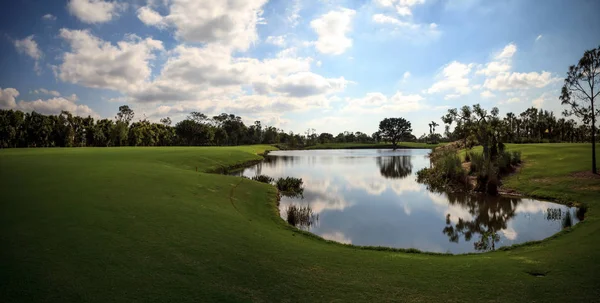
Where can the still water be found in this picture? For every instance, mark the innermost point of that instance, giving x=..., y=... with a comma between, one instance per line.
x=372, y=198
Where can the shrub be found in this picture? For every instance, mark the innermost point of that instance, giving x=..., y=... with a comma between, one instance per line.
x=289, y=184
x=516, y=158
x=477, y=163
x=467, y=157
x=447, y=171
x=263, y=179
x=505, y=162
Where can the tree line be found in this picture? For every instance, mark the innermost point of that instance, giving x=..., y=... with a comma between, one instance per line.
x=531, y=126
x=19, y=129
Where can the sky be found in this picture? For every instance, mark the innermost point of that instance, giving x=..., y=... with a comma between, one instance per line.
x=330, y=65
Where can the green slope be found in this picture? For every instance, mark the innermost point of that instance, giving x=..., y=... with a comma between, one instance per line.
x=141, y=225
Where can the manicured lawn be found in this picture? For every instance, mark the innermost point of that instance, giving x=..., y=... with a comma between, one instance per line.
x=370, y=145
x=141, y=225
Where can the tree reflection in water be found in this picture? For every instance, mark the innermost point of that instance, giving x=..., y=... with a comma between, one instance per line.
x=395, y=167
x=490, y=216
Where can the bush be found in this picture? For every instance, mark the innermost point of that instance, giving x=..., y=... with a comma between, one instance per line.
x=516, y=158
x=477, y=163
x=263, y=179
x=447, y=171
x=289, y=184
x=467, y=157
x=505, y=162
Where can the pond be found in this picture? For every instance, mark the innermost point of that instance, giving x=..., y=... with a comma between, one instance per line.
x=372, y=198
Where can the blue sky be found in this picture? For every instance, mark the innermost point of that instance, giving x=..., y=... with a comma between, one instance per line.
x=297, y=64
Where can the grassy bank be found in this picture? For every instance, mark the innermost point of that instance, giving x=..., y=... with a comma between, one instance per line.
x=141, y=225
x=370, y=145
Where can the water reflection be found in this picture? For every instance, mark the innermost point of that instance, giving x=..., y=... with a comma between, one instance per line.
x=371, y=197
x=489, y=215
x=395, y=167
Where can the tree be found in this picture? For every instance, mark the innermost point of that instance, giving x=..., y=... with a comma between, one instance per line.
x=125, y=114
x=580, y=91
x=432, y=127
x=166, y=121
x=394, y=130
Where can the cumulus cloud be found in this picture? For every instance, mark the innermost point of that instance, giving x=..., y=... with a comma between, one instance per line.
x=508, y=81
x=331, y=29
x=453, y=78
x=95, y=63
x=293, y=10
x=501, y=63
x=406, y=75
x=44, y=91
x=29, y=47
x=539, y=102
x=408, y=29
x=55, y=105
x=150, y=17
x=95, y=11
x=487, y=94
x=276, y=40
x=48, y=107
x=507, y=52
x=231, y=23
x=376, y=103
x=402, y=7
x=7, y=98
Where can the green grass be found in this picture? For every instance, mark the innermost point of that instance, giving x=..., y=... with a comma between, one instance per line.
x=141, y=225
x=370, y=145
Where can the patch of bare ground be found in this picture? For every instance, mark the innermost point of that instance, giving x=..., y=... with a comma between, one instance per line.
x=585, y=175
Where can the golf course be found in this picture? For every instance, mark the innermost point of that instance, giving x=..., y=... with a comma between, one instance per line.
x=152, y=224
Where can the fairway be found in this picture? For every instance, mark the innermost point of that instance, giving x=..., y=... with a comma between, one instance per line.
x=142, y=225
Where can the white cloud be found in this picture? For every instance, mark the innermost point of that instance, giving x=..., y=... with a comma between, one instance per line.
x=49, y=17
x=150, y=17
x=332, y=28
x=453, y=78
x=538, y=38
x=406, y=75
x=402, y=7
x=95, y=63
x=513, y=100
x=502, y=62
x=487, y=94
x=539, y=102
x=494, y=67
x=383, y=19
x=374, y=103
x=231, y=23
x=293, y=17
x=7, y=98
x=55, y=106
x=409, y=29
x=276, y=40
x=47, y=107
x=305, y=84
x=507, y=52
x=319, y=64
x=95, y=11
x=29, y=47
x=509, y=81
x=47, y=92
